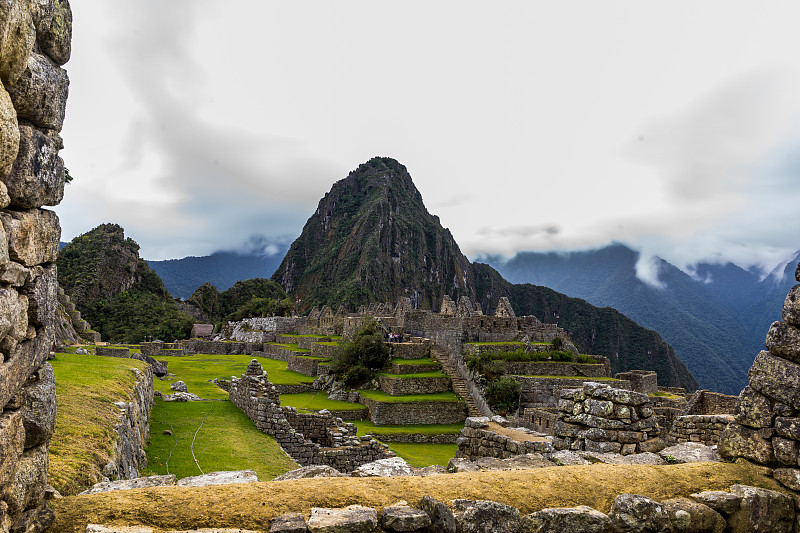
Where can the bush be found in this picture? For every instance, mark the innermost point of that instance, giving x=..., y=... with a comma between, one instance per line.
x=557, y=343
x=503, y=394
x=359, y=361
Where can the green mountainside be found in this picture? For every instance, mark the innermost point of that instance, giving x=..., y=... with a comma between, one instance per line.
x=252, y=297
x=116, y=291
x=371, y=239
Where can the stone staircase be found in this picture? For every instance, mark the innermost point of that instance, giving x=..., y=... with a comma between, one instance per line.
x=459, y=384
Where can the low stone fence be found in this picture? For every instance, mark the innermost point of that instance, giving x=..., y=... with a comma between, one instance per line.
x=105, y=351
x=293, y=389
x=402, y=413
x=550, y=368
x=133, y=430
x=258, y=398
x=598, y=418
x=477, y=441
x=644, y=381
x=705, y=429
x=415, y=438
x=216, y=347
x=539, y=420
x=410, y=350
x=402, y=386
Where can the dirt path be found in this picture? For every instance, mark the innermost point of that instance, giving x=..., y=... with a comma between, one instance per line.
x=252, y=506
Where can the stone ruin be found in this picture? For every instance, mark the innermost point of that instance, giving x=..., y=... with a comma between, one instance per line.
x=34, y=42
x=309, y=439
x=767, y=420
x=598, y=418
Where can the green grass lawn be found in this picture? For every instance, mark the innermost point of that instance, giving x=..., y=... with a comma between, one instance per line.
x=381, y=396
x=419, y=375
x=421, y=455
x=317, y=400
x=196, y=370
x=422, y=361
x=227, y=440
x=365, y=427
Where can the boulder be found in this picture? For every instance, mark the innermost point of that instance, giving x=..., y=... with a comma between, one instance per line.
x=392, y=466
x=783, y=339
x=477, y=422
x=181, y=397
x=786, y=451
x=689, y=516
x=442, y=519
x=485, y=516
x=37, y=176
x=791, y=306
x=310, y=471
x=581, y=519
x=761, y=510
x=127, y=484
x=17, y=36
x=219, y=478
x=776, y=378
x=725, y=503
x=26, y=489
x=567, y=458
x=39, y=406
x=754, y=409
x=9, y=136
x=741, y=441
x=34, y=520
x=433, y=470
x=33, y=236
x=25, y=357
x=179, y=386
x=160, y=368
x=690, y=452
x=621, y=396
x=460, y=464
x=56, y=41
x=788, y=477
x=351, y=519
x=404, y=518
x=40, y=94
x=41, y=290
x=288, y=523
x=646, y=458
x=635, y=513
x=788, y=427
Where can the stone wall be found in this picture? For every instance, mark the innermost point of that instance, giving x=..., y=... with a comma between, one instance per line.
x=105, y=351
x=545, y=392
x=408, y=385
x=598, y=418
x=403, y=413
x=705, y=402
x=644, y=381
x=705, y=429
x=550, y=368
x=324, y=350
x=34, y=43
x=410, y=350
x=261, y=330
x=133, y=430
x=477, y=441
x=539, y=420
x=257, y=397
x=308, y=366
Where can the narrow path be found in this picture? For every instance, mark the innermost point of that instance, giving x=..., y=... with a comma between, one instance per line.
x=459, y=384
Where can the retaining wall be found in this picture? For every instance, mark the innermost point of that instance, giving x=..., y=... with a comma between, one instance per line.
x=550, y=368
x=404, y=413
x=402, y=386
x=476, y=441
x=705, y=429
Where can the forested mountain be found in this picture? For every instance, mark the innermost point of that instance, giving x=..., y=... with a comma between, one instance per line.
x=249, y=298
x=716, y=321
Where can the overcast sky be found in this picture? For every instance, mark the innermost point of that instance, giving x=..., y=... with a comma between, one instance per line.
x=673, y=127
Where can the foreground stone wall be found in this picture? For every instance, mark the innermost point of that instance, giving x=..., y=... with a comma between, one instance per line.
x=34, y=43
x=477, y=441
x=705, y=429
x=767, y=417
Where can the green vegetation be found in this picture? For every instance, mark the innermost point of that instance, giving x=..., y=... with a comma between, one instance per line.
x=225, y=440
x=421, y=455
x=358, y=361
x=381, y=396
x=316, y=401
x=423, y=361
x=197, y=370
x=87, y=387
x=503, y=394
x=418, y=375
x=257, y=297
x=365, y=427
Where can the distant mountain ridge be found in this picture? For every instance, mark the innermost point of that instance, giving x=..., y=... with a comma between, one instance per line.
x=371, y=239
x=716, y=321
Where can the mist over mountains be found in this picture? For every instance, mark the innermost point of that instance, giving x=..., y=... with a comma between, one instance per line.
x=716, y=320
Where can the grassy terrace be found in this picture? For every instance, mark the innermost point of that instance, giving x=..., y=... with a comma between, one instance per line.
x=292, y=347
x=87, y=387
x=380, y=396
x=225, y=440
x=423, y=361
x=317, y=400
x=365, y=427
x=197, y=370
x=420, y=375
x=421, y=455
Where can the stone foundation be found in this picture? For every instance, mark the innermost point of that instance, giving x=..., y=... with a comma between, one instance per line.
x=705, y=429
x=644, y=381
x=407, y=413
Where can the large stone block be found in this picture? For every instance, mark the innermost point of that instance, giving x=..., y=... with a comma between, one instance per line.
x=56, y=41
x=786, y=450
x=12, y=442
x=13, y=316
x=579, y=519
x=754, y=409
x=9, y=134
x=40, y=94
x=788, y=427
x=761, y=510
x=26, y=490
x=791, y=306
x=631, y=513
x=41, y=13
x=21, y=360
x=39, y=406
x=484, y=516
x=741, y=441
x=17, y=36
x=37, y=176
x=776, y=378
x=691, y=516
x=32, y=235
x=41, y=291
x=355, y=518
x=783, y=340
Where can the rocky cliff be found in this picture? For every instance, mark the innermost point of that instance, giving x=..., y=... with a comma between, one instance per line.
x=372, y=239
x=34, y=42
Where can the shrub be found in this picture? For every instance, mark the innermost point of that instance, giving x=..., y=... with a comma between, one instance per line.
x=358, y=361
x=557, y=343
x=503, y=394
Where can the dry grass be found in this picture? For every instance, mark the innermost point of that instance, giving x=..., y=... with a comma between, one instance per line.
x=87, y=387
x=253, y=506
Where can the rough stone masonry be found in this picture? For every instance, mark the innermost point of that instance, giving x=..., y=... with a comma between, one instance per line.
x=34, y=43
x=767, y=419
